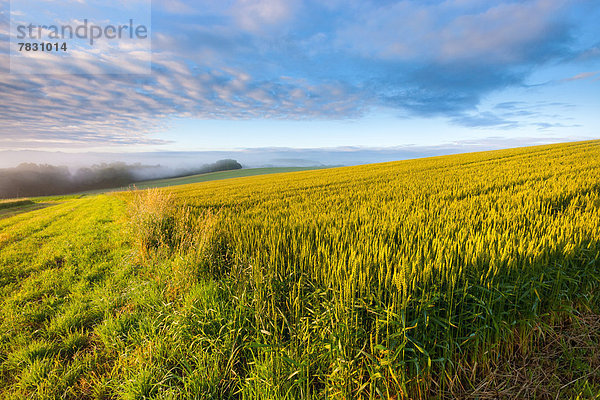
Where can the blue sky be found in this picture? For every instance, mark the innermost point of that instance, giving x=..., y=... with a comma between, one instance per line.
x=239, y=74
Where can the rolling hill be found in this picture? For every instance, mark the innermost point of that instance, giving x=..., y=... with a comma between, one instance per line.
x=464, y=276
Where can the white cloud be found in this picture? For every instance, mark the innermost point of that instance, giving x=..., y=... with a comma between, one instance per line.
x=583, y=75
x=124, y=110
x=261, y=15
x=450, y=31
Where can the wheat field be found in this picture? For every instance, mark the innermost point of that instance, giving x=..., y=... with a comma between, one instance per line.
x=409, y=279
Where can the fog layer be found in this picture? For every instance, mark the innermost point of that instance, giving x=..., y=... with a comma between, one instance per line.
x=30, y=179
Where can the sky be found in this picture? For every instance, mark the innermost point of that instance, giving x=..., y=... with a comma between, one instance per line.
x=244, y=75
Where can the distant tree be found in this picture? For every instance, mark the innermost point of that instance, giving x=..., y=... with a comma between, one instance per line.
x=225, y=165
x=33, y=180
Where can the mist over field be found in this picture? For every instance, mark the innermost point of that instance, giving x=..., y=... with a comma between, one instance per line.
x=267, y=156
x=29, y=179
x=37, y=173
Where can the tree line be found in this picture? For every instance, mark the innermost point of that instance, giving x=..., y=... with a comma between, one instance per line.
x=30, y=179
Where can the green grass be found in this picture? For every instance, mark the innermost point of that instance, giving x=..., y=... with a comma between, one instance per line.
x=14, y=203
x=238, y=288
x=211, y=176
x=8, y=208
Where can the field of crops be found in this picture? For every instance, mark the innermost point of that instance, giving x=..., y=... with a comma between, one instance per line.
x=411, y=279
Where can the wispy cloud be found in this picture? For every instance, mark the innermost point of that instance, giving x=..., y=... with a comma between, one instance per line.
x=583, y=75
x=259, y=16
x=517, y=114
